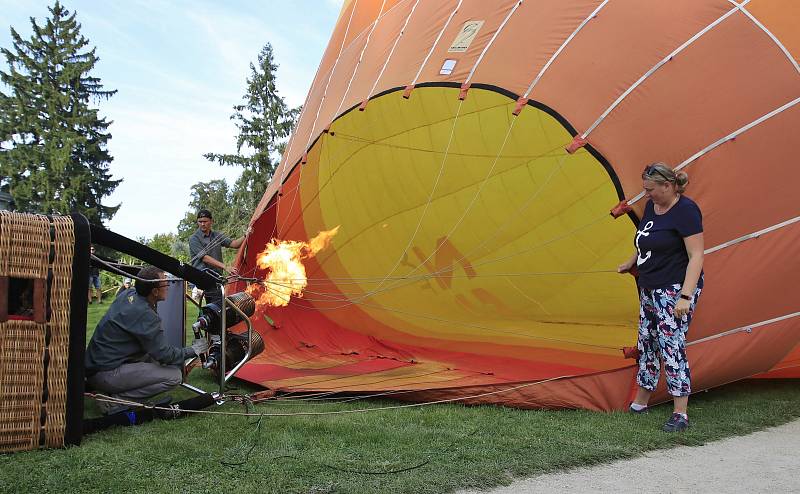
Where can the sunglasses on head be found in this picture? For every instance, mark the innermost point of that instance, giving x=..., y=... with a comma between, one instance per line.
x=652, y=170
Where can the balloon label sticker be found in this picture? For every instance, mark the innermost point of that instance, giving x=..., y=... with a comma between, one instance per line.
x=465, y=36
x=447, y=67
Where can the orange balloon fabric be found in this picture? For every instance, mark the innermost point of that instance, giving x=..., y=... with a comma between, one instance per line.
x=470, y=153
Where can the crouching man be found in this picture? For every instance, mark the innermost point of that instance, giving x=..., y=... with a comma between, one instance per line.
x=128, y=357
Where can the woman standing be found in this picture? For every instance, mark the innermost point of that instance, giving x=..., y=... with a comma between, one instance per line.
x=669, y=258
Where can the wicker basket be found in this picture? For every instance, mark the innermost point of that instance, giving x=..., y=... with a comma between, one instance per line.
x=42, y=347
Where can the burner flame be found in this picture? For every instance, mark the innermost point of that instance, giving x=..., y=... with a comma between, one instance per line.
x=286, y=274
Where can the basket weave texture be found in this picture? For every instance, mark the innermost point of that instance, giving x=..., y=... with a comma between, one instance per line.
x=34, y=355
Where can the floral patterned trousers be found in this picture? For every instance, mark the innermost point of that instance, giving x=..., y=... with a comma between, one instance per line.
x=662, y=336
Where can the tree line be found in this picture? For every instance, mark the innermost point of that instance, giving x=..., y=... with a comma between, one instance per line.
x=54, y=156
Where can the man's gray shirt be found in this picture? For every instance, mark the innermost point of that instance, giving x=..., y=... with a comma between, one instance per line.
x=130, y=330
x=207, y=245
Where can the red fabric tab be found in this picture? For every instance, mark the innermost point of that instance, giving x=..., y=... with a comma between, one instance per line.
x=621, y=209
x=631, y=352
x=463, y=94
x=521, y=103
x=304, y=160
x=407, y=91
x=577, y=143
x=363, y=105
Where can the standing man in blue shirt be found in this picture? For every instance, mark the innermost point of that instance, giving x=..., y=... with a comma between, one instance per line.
x=205, y=248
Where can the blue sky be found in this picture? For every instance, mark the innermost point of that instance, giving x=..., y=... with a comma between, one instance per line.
x=180, y=66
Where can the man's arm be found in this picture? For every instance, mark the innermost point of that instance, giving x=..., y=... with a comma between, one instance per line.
x=153, y=341
x=213, y=262
x=235, y=244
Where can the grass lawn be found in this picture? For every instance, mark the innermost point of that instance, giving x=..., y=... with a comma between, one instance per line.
x=451, y=446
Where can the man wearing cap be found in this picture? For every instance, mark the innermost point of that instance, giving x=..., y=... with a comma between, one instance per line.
x=205, y=248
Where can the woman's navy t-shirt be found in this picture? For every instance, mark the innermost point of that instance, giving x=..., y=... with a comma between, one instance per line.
x=661, y=252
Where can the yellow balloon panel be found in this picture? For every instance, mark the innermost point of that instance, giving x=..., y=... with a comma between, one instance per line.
x=449, y=208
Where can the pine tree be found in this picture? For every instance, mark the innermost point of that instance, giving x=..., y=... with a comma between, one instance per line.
x=53, y=156
x=264, y=121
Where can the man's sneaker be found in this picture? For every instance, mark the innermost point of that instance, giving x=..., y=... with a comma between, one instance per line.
x=676, y=423
x=638, y=412
x=107, y=408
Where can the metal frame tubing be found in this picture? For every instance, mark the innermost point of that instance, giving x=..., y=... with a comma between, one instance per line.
x=225, y=377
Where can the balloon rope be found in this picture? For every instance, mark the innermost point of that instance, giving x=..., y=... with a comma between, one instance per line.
x=367, y=142
x=478, y=326
x=429, y=200
x=452, y=268
x=110, y=399
x=316, y=117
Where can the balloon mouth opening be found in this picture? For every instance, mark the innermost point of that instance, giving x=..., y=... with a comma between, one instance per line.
x=467, y=213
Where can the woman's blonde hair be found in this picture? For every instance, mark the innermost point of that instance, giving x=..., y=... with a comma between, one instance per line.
x=661, y=173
